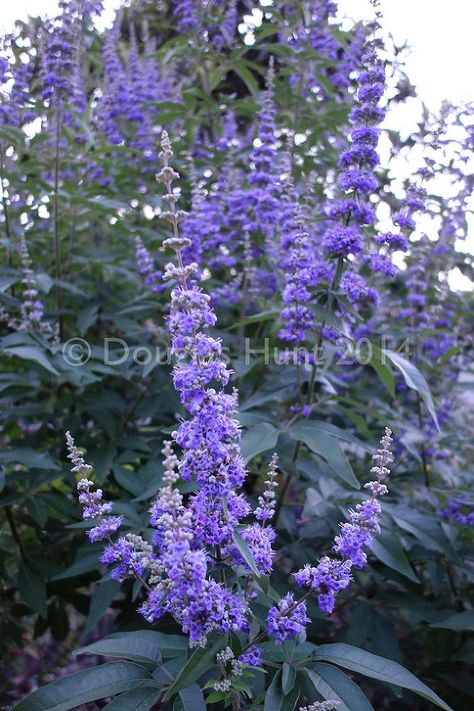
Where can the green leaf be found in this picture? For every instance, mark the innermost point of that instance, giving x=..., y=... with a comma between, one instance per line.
x=170, y=645
x=82, y=565
x=192, y=698
x=259, y=438
x=38, y=509
x=425, y=528
x=28, y=457
x=245, y=552
x=288, y=678
x=199, y=662
x=141, y=698
x=415, y=380
x=132, y=647
x=32, y=590
x=327, y=447
x=275, y=699
x=389, y=551
x=87, y=685
x=463, y=621
x=34, y=354
x=376, y=667
x=382, y=370
x=256, y=318
x=101, y=599
x=332, y=683
x=246, y=75
x=338, y=432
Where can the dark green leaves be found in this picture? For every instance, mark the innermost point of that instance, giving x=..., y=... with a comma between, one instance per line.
x=276, y=699
x=415, y=380
x=131, y=646
x=258, y=438
x=85, y=686
x=102, y=597
x=333, y=684
x=245, y=552
x=387, y=548
x=462, y=621
x=141, y=645
x=376, y=667
x=198, y=663
x=192, y=698
x=141, y=698
x=327, y=447
x=32, y=590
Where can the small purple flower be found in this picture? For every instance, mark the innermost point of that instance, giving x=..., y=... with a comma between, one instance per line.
x=252, y=657
x=288, y=619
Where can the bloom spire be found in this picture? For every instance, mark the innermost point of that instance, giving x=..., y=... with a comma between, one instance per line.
x=331, y=575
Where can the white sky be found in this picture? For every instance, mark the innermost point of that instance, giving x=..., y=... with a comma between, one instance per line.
x=439, y=32
x=440, y=63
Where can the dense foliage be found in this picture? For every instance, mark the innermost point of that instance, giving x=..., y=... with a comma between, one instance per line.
x=208, y=263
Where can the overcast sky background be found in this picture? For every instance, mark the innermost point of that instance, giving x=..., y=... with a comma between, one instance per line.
x=440, y=62
x=439, y=32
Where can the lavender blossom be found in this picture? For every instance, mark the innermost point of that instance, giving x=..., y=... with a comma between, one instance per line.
x=252, y=657
x=210, y=439
x=188, y=14
x=32, y=308
x=94, y=508
x=332, y=575
x=146, y=267
x=459, y=511
x=266, y=502
x=287, y=619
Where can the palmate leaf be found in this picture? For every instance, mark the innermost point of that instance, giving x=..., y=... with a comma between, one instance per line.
x=85, y=686
x=376, y=667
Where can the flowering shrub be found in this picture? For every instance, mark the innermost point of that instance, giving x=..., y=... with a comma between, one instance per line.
x=216, y=284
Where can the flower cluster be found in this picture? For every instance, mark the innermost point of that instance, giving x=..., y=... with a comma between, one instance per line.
x=459, y=511
x=94, y=508
x=146, y=266
x=328, y=705
x=32, y=309
x=330, y=575
x=287, y=619
x=127, y=111
x=350, y=214
x=266, y=502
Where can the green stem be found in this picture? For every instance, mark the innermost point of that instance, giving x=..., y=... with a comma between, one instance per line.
x=309, y=397
x=14, y=530
x=57, y=250
x=4, y=204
